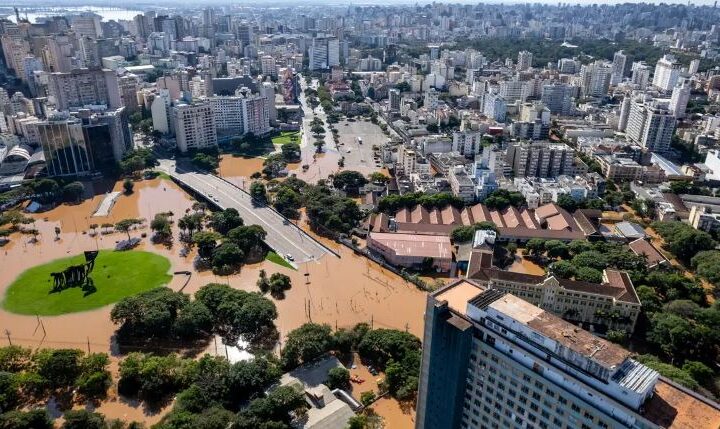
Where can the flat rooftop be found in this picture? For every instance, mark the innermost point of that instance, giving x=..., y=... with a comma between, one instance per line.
x=570, y=336
x=675, y=407
x=431, y=246
x=458, y=294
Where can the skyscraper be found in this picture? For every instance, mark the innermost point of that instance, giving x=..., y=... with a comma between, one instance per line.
x=324, y=53
x=493, y=360
x=651, y=125
x=82, y=87
x=667, y=72
x=524, y=60
x=640, y=75
x=679, y=100
x=65, y=147
x=558, y=97
x=618, y=67
x=596, y=79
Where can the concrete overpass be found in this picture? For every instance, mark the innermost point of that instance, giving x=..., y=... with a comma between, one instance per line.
x=283, y=236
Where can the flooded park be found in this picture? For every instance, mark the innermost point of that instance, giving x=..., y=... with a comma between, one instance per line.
x=338, y=290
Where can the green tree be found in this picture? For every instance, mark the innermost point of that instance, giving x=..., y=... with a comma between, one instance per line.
x=9, y=391
x=60, y=367
x=535, y=246
x=33, y=419
x=73, y=191
x=125, y=225
x=258, y=192
x=367, y=398
x=588, y=274
x=128, y=186
x=683, y=240
x=279, y=284
x=381, y=345
x=225, y=220
x=290, y=152
x=338, y=378
x=149, y=314
x=83, y=419
x=237, y=314
x=563, y=269
x=227, y=256
x=378, y=177
x=707, y=265
x=502, y=198
x=306, y=343
x=194, y=321
x=206, y=242
x=288, y=202
x=349, y=181
x=247, y=238
x=699, y=371
x=161, y=226
x=591, y=259
x=556, y=249
x=463, y=234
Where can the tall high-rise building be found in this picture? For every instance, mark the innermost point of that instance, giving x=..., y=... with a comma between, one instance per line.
x=651, y=125
x=596, y=79
x=679, y=100
x=558, y=97
x=324, y=53
x=494, y=107
x=82, y=87
x=694, y=66
x=493, y=360
x=108, y=136
x=667, y=72
x=394, y=99
x=245, y=34
x=241, y=113
x=618, y=67
x=58, y=54
x=87, y=24
x=524, y=60
x=161, y=110
x=540, y=159
x=268, y=66
x=15, y=49
x=194, y=126
x=128, y=86
x=624, y=112
x=64, y=144
x=640, y=75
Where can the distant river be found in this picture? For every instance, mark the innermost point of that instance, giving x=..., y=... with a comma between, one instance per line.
x=107, y=13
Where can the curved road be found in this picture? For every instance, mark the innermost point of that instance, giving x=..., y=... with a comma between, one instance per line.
x=282, y=236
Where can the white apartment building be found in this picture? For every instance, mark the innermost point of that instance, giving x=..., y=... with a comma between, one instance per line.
x=667, y=72
x=650, y=125
x=194, y=126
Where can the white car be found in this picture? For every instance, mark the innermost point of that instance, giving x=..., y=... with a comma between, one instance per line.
x=289, y=257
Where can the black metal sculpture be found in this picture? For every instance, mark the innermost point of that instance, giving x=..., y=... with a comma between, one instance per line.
x=76, y=275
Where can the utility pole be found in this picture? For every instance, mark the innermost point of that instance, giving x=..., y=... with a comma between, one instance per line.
x=7, y=333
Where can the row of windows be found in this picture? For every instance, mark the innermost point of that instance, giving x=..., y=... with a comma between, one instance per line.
x=534, y=395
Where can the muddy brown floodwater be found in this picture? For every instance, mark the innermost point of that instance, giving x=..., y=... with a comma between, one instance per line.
x=340, y=291
x=525, y=266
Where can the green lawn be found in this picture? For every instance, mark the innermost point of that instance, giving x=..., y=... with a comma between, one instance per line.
x=286, y=137
x=274, y=257
x=116, y=275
